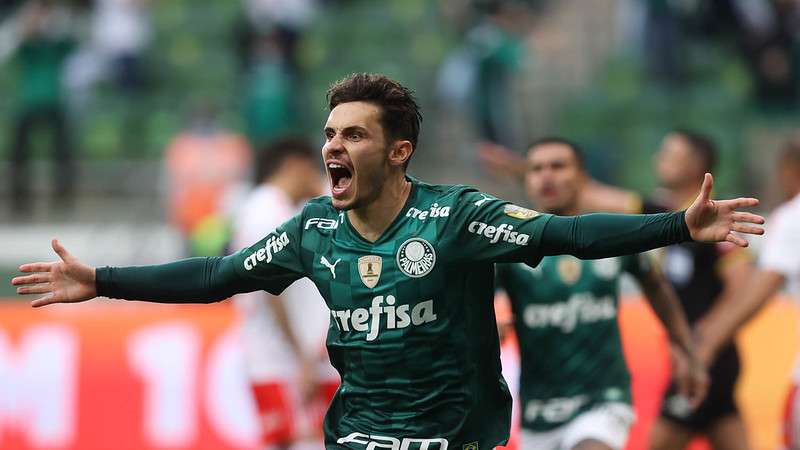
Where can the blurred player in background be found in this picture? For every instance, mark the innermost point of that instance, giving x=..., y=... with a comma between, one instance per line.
x=778, y=263
x=574, y=384
x=283, y=336
x=703, y=275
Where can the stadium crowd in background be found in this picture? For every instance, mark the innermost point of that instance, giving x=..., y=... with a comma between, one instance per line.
x=39, y=39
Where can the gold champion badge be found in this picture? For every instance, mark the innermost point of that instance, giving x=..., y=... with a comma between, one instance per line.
x=369, y=267
x=569, y=269
x=519, y=212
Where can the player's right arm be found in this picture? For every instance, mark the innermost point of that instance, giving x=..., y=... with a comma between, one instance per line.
x=272, y=264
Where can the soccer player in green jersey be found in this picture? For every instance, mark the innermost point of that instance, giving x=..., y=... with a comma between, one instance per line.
x=406, y=269
x=574, y=384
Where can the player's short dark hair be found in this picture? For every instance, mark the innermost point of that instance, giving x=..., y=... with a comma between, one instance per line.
x=576, y=149
x=271, y=156
x=400, y=114
x=701, y=145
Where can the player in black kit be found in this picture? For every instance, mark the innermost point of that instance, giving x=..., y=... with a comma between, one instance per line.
x=702, y=275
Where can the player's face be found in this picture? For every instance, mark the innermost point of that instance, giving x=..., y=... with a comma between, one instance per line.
x=355, y=154
x=554, y=177
x=676, y=164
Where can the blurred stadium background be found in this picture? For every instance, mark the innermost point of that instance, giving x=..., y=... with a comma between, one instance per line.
x=140, y=86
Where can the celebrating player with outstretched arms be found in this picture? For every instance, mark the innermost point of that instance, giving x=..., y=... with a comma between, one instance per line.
x=406, y=269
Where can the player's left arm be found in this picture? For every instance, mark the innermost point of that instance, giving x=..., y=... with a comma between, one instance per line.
x=605, y=235
x=493, y=230
x=692, y=378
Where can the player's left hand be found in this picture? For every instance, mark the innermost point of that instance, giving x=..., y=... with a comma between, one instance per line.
x=719, y=220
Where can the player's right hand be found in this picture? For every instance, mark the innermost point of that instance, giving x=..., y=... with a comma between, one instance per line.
x=65, y=281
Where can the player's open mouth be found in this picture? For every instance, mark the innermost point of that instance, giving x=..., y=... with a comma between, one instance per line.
x=341, y=177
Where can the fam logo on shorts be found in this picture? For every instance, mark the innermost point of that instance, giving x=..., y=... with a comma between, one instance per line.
x=519, y=212
x=416, y=257
x=369, y=267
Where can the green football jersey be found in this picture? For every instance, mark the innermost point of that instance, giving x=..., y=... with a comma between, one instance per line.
x=565, y=317
x=412, y=329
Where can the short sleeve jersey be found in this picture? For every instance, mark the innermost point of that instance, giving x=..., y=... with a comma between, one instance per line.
x=781, y=250
x=412, y=328
x=565, y=317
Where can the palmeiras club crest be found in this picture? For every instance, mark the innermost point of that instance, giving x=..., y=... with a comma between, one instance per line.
x=369, y=267
x=416, y=257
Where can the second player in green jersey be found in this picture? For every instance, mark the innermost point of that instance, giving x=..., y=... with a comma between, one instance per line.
x=574, y=383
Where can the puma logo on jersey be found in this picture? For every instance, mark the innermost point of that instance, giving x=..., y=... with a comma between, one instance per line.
x=485, y=199
x=580, y=308
x=504, y=232
x=324, y=261
x=395, y=316
x=274, y=245
x=373, y=442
